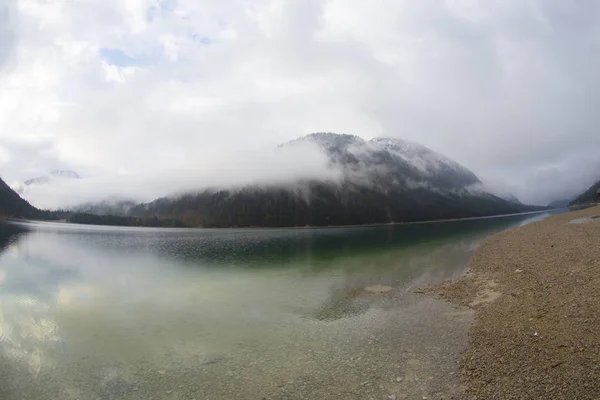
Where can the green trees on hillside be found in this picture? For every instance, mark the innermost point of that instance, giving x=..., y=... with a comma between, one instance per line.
x=320, y=205
x=113, y=220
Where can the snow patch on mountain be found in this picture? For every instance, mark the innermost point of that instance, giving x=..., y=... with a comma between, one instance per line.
x=45, y=179
x=65, y=173
x=419, y=156
x=384, y=160
x=40, y=180
x=55, y=173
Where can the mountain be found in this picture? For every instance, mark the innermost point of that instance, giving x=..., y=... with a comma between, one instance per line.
x=589, y=195
x=383, y=180
x=55, y=173
x=561, y=203
x=40, y=180
x=391, y=160
x=12, y=205
x=65, y=173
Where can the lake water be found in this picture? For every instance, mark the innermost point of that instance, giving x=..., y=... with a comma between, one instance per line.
x=116, y=313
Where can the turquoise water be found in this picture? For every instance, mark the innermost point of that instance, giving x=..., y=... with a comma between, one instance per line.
x=109, y=313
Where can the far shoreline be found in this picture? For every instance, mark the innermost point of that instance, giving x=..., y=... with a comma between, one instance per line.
x=63, y=222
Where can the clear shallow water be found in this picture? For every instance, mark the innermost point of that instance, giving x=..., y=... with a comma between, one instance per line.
x=111, y=313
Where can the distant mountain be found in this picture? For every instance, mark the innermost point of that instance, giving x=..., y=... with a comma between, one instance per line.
x=589, y=195
x=40, y=180
x=562, y=203
x=65, y=173
x=12, y=205
x=56, y=173
x=383, y=180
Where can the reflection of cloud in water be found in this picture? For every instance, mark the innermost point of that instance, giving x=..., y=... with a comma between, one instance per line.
x=76, y=295
x=23, y=321
x=24, y=326
x=120, y=307
x=28, y=270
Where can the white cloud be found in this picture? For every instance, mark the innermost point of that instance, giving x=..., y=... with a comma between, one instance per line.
x=508, y=88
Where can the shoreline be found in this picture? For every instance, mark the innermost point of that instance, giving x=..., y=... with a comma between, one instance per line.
x=65, y=222
x=535, y=293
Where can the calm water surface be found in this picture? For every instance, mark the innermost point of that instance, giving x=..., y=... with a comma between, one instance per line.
x=114, y=313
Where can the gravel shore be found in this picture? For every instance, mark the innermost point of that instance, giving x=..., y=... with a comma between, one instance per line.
x=536, y=293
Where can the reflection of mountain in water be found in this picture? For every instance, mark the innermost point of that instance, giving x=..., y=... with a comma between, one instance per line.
x=20, y=330
x=9, y=234
x=261, y=248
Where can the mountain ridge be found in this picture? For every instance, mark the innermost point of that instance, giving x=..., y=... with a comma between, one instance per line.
x=55, y=173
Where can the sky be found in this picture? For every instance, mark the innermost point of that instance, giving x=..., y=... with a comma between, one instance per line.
x=136, y=94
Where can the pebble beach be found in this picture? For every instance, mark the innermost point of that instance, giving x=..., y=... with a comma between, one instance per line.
x=536, y=295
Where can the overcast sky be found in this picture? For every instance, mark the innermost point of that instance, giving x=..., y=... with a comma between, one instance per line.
x=109, y=88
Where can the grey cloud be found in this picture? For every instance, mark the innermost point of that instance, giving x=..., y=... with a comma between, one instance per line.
x=519, y=98
x=23, y=165
x=8, y=35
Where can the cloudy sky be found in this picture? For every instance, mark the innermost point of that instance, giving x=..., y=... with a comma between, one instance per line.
x=114, y=88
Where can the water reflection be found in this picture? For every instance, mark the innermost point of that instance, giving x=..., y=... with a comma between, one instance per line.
x=128, y=313
x=23, y=313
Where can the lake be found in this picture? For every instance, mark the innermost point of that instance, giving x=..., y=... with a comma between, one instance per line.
x=132, y=313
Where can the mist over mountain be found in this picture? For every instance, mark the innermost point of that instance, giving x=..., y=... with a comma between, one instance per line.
x=12, y=205
x=106, y=207
x=55, y=173
x=383, y=180
x=390, y=161
x=588, y=196
x=224, y=169
x=317, y=180
x=561, y=203
x=46, y=179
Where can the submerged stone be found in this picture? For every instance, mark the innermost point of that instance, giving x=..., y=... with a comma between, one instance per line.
x=378, y=289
